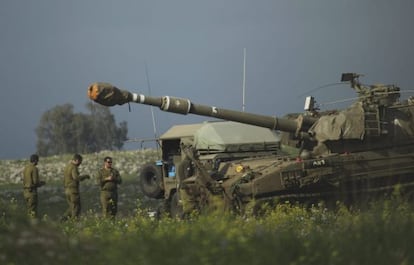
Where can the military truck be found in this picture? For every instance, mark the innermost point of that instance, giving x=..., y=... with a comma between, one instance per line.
x=189, y=148
x=366, y=148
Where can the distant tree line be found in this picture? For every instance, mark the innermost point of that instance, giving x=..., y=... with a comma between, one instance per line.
x=62, y=131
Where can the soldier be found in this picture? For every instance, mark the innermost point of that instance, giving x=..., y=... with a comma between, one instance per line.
x=31, y=182
x=108, y=179
x=71, y=182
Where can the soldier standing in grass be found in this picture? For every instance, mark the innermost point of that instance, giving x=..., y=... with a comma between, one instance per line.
x=108, y=179
x=72, y=178
x=31, y=182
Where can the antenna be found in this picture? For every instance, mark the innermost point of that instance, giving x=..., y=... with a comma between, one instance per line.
x=320, y=87
x=149, y=93
x=244, y=78
x=151, y=107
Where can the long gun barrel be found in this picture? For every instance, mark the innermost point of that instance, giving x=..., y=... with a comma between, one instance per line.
x=109, y=95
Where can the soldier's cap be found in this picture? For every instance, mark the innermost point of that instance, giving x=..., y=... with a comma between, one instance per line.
x=34, y=158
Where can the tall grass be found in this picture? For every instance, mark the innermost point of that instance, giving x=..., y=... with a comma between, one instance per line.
x=287, y=234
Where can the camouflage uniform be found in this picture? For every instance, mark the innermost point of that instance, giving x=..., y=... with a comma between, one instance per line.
x=108, y=179
x=30, y=184
x=71, y=183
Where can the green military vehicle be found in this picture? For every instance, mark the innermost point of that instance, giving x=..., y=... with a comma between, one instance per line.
x=194, y=150
x=366, y=148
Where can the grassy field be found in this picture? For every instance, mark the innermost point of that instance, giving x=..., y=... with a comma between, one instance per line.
x=381, y=233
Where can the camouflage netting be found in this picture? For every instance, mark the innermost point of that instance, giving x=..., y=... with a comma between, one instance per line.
x=348, y=124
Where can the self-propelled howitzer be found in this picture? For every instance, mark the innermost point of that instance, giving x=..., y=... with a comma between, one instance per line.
x=363, y=149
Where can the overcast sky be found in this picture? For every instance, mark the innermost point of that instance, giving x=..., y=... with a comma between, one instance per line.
x=50, y=51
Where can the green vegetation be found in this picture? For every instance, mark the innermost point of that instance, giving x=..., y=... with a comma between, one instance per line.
x=381, y=233
x=289, y=234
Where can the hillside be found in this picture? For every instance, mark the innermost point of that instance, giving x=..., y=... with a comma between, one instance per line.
x=51, y=168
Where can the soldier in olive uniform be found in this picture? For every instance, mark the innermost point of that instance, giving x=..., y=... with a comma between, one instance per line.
x=31, y=182
x=108, y=179
x=72, y=178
